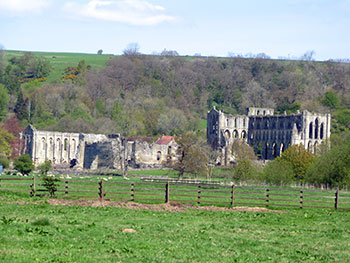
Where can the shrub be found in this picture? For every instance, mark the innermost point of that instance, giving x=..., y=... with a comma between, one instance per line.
x=45, y=167
x=24, y=164
x=4, y=162
x=278, y=172
x=50, y=183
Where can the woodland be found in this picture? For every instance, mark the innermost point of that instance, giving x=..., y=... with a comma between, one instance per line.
x=149, y=95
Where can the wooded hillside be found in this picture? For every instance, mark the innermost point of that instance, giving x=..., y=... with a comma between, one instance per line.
x=138, y=94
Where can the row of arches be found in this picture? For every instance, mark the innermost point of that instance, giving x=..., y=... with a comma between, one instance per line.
x=236, y=122
x=270, y=135
x=57, y=150
x=269, y=151
x=235, y=135
x=317, y=131
x=274, y=123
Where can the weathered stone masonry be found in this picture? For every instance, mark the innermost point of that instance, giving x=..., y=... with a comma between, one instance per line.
x=95, y=151
x=267, y=133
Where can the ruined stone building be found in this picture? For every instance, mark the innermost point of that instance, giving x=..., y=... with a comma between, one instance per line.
x=267, y=133
x=95, y=151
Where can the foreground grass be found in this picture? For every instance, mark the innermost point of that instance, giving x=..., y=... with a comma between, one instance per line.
x=39, y=232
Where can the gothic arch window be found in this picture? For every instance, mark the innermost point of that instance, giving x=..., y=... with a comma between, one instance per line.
x=274, y=150
x=258, y=112
x=316, y=129
x=321, y=131
x=227, y=134
x=235, y=134
x=159, y=155
x=235, y=122
x=244, y=123
x=58, y=146
x=315, y=147
x=244, y=134
x=310, y=130
x=65, y=144
x=309, y=146
x=266, y=157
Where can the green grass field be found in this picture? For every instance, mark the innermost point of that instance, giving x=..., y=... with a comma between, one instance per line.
x=64, y=60
x=31, y=230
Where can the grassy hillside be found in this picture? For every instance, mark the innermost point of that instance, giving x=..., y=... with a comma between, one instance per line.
x=59, y=61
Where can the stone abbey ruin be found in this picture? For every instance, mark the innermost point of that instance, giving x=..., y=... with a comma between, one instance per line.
x=95, y=151
x=267, y=133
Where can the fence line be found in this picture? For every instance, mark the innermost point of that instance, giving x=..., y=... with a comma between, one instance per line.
x=214, y=194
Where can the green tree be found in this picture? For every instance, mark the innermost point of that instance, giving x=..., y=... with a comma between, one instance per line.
x=333, y=167
x=45, y=167
x=278, y=172
x=24, y=164
x=5, y=143
x=3, y=102
x=331, y=100
x=50, y=183
x=299, y=159
x=192, y=156
x=99, y=52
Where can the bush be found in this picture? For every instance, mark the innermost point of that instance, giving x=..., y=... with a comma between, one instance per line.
x=50, y=183
x=278, y=172
x=245, y=170
x=45, y=167
x=24, y=164
x=5, y=162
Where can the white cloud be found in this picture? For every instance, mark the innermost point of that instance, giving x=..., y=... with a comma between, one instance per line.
x=134, y=12
x=21, y=6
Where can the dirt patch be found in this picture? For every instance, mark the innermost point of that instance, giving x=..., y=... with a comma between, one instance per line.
x=170, y=207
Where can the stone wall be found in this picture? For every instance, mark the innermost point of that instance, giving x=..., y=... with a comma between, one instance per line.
x=268, y=134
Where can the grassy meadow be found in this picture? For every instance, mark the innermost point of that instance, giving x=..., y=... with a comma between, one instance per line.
x=59, y=61
x=32, y=230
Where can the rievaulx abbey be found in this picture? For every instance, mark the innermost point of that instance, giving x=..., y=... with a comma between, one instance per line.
x=267, y=133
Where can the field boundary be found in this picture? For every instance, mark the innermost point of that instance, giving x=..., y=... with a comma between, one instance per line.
x=181, y=192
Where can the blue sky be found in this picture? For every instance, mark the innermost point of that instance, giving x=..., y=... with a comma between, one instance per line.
x=279, y=28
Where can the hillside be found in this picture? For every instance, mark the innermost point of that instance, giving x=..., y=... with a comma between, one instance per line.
x=136, y=94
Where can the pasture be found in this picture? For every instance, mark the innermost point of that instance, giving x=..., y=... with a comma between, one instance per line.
x=33, y=230
x=40, y=229
x=59, y=61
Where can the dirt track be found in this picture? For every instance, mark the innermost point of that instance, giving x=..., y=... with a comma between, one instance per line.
x=170, y=207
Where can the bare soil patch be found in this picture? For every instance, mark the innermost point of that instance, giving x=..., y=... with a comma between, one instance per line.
x=170, y=207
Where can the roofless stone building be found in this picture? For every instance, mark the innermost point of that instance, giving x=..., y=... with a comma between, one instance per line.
x=267, y=133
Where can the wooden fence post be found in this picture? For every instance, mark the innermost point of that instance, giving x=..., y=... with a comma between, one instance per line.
x=301, y=199
x=66, y=188
x=233, y=194
x=199, y=195
x=132, y=192
x=336, y=199
x=167, y=192
x=100, y=189
x=267, y=197
x=34, y=188
x=31, y=190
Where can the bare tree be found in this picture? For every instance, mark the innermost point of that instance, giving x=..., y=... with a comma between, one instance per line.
x=132, y=50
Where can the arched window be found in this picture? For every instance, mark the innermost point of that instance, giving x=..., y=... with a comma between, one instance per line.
x=244, y=134
x=159, y=154
x=274, y=150
x=309, y=146
x=310, y=130
x=316, y=129
x=235, y=122
x=227, y=134
x=65, y=144
x=315, y=148
x=235, y=134
x=321, y=131
x=244, y=123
